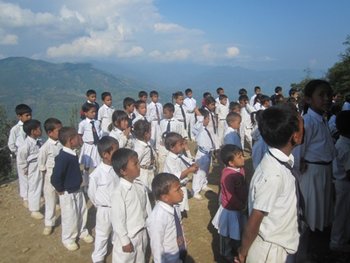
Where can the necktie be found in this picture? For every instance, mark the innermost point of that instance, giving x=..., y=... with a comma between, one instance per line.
x=184, y=116
x=38, y=143
x=157, y=111
x=213, y=120
x=211, y=139
x=168, y=126
x=187, y=164
x=151, y=154
x=180, y=237
x=94, y=132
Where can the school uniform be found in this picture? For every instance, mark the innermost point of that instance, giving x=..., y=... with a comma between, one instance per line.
x=190, y=104
x=103, y=181
x=246, y=126
x=124, y=142
x=66, y=178
x=46, y=163
x=221, y=111
x=251, y=101
x=138, y=117
x=147, y=161
x=176, y=164
x=27, y=162
x=273, y=191
x=213, y=128
x=130, y=208
x=180, y=115
x=340, y=234
x=162, y=231
x=105, y=118
x=154, y=116
x=231, y=136
x=82, y=115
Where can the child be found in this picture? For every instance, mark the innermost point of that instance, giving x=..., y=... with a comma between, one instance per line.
x=180, y=111
x=205, y=95
x=221, y=111
x=129, y=108
x=230, y=218
x=213, y=123
x=140, y=111
x=16, y=139
x=271, y=233
x=178, y=164
x=235, y=107
x=130, y=208
x=46, y=163
x=103, y=180
x=66, y=178
x=164, y=223
x=231, y=136
x=257, y=90
x=154, y=116
x=341, y=172
x=278, y=92
x=91, y=99
x=265, y=102
x=146, y=154
x=206, y=146
x=143, y=96
x=120, y=130
x=90, y=132
x=27, y=161
x=219, y=91
x=191, y=104
x=246, y=123
x=105, y=112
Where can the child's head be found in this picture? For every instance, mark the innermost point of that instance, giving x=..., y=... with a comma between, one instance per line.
x=234, y=107
x=210, y=103
x=91, y=95
x=257, y=90
x=143, y=96
x=278, y=90
x=293, y=92
x=318, y=95
x=188, y=93
x=168, y=111
x=233, y=120
x=32, y=128
x=220, y=91
x=89, y=110
x=342, y=123
x=129, y=105
x=106, y=146
x=141, y=107
x=279, y=99
x=166, y=187
x=264, y=101
x=52, y=127
x=23, y=112
x=154, y=96
x=223, y=99
x=232, y=156
x=280, y=125
x=142, y=130
x=107, y=98
x=126, y=164
x=69, y=137
x=178, y=97
x=174, y=142
x=205, y=115
x=242, y=92
x=206, y=94
x=120, y=120
x=243, y=100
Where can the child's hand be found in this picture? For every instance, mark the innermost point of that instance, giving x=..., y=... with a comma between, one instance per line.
x=240, y=258
x=194, y=168
x=128, y=248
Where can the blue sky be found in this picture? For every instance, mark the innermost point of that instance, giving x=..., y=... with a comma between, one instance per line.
x=253, y=34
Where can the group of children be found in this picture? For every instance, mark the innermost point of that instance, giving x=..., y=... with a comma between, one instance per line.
x=134, y=156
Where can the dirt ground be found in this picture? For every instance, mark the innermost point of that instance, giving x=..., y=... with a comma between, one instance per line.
x=21, y=238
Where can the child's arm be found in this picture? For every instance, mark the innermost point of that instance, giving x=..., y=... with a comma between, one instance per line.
x=192, y=169
x=92, y=189
x=156, y=231
x=22, y=155
x=42, y=159
x=12, y=141
x=58, y=175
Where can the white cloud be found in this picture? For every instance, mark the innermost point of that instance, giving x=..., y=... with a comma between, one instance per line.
x=8, y=39
x=165, y=28
x=169, y=56
x=232, y=52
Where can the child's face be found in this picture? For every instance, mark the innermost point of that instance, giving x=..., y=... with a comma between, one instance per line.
x=180, y=100
x=107, y=156
x=147, y=136
x=237, y=110
x=167, y=114
x=189, y=95
x=175, y=194
x=237, y=161
x=91, y=97
x=243, y=102
x=132, y=169
x=36, y=133
x=236, y=124
x=154, y=98
x=206, y=121
x=75, y=142
x=142, y=109
x=91, y=114
x=266, y=104
x=25, y=117
x=223, y=101
x=211, y=106
x=321, y=99
x=54, y=133
x=130, y=108
x=122, y=125
x=143, y=98
x=178, y=147
x=108, y=101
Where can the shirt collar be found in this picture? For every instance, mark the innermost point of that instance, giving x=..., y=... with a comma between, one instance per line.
x=53, y=141
x=106, y=167
x=166, y=207
x=69, y=151
x=233, y=169
x=173, y=155
x=20, y=123
x=142, y=143
x=281, y=156
x=314, y=114
x=125, y=183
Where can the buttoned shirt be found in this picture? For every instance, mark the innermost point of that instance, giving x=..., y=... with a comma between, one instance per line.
x=221, y=110
x=105, y=117
x=16, y=137
x=174, y=165
x=178, y=113
x=47, y=154
x=175, y=126
x=152, y=111
x=190, y=104
x=85, y=129
x=119, y=136
x=341, y=163
x=28, y=154
x=143, y=150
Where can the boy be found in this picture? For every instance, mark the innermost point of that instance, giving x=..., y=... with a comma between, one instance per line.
x=231, y=136
x=221, y=111
x=140, y=111
x=27, y=162
x=190, y=104
x=46, y=163
x=129, y=108
x=16, y=139
x=130, y=208
x=154, y=115
x=105, y=112
x=90, y=99
x=257, y=90
x=66, y=178
x=143, y=96
x=274, y=204
x=164, y=224
x=278, y=92
x=265, y=102
x=246, y=123
x=103, y=180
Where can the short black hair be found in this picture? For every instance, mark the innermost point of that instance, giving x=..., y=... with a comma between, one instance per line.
x=233, y=105
x=219, y=89
x=138, y=103
x=30, y=125
x=232, y=116
x=228, y=151
x=243, y=97
x=242, y=92
x=66, y=133
x=140, y=128
x=177, y=94
x=105, y=94
x=51, y=123
x=90, y=92
x=204, y=112
x=105, y=144
x=120, y=159
x=153, y=93
x=342, y=122
x=188, y=91
x=256, y=88
x=22, y=109
x=292, y=91
x=118, y=116
x=88, y=106
x=264, y=98
x=278, y=89
x=312, y=85
x=206, y=94
x=222, y=96
x=142, y=93
x=169, y=106
x=209, y=100
x=161, y=184
x=277, y=124
x=171, y=139
x=127, y=102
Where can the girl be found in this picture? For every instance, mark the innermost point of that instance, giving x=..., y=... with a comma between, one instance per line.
x=180, y=110
x=119, y=129
x=213, y=123
x=231, y=217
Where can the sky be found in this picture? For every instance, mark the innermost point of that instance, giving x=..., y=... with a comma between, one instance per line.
x=255, y=34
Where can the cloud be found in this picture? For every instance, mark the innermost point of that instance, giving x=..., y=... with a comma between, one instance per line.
x=232, y=52
x=8, y=39
x=165, y=28
x=170, y=56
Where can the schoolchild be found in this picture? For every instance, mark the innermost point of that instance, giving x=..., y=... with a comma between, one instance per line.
x=257, y=90
x=27, y=162
x=235, y=107
x=246, y=123
x=143, y=96
x=191, y=104
x=46, y=163
x=90, y=99
x=120, y=129
x=205, y=95
x=130, y=209
x=66, y=179
x=164, y=223
x=16, y=139
x=180, y=110
x=265, y=102
x=212, y=126
x=221, y=110
x=231, y=135
x=105, y=112
x=140, y=111
x=103, y=180
x=154, y=116
x=129, y=108
x=178, y=164
x=278, y=92
x=257, y=102
x=219, y=91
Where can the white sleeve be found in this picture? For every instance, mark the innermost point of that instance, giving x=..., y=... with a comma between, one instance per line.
x=156, y=231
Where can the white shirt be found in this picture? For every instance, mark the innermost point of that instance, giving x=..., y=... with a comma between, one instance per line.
x=130, y=208
x=232, y=137
x=222, y=111
x=105, y=117
x=341, y=163
x=152, y=111
x=119, y=136
x=16, y=137
x=144, y=152
x=174, y=165
x=102, y=182
x=272, y=190
x=85, y=129
x=28, y=154
x=251, y=102
x=190, y=104
x=246, y=122
x=138, y=117
x=178, y=113
x=212, y=122
x=175, y=126
x=47, y=154
x=162, y=232
x=204, y=142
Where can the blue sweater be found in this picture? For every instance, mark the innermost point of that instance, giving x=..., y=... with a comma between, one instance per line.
x=66, y=175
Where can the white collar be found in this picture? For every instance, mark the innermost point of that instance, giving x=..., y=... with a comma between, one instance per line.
x=314, y=114
x=69, y=151
x=168, y=208
x=281, y=156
